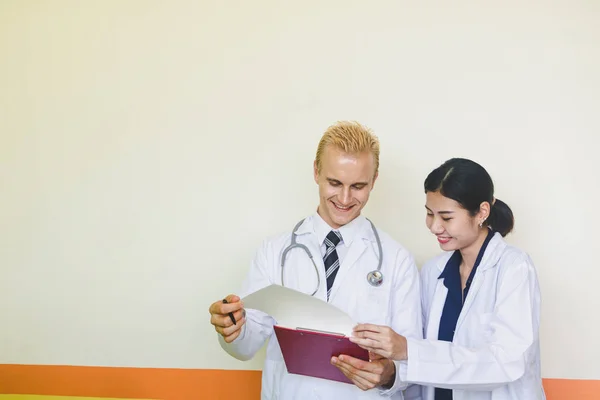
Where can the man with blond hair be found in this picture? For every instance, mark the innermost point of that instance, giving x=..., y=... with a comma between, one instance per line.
x=345, y=169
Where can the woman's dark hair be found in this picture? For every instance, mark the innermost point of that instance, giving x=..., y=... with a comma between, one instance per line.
x=469, y=184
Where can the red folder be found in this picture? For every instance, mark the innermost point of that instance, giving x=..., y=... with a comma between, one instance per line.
x=307, y=352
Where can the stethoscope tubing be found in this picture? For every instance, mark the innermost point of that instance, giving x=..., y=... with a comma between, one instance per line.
x=375, y=277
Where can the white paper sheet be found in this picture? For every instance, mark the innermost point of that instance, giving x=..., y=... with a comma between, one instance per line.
x=293, y=309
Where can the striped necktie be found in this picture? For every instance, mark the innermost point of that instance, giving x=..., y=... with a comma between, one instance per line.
x=332, y=263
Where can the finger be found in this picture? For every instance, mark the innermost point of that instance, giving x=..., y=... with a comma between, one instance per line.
x=238, y=315
x=370, y=349
x=368, y=327
x=234, y=328
x=224, y=321
x=380, y=337
x=366, y=343
x=376, y=353
x=218, y=307
x=233, y=336
x=367, y=378
x=348, y=371
x=232, y=298
x=360, y=367
x=227, y=331
x=359, y=381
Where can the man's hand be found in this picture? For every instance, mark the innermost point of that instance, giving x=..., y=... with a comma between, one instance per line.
x=367, y=374
x=219, y=317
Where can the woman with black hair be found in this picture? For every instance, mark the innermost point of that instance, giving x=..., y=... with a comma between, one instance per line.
x=481, y=299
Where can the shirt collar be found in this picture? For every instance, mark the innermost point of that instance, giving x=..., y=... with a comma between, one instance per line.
x=348, y=231
x=456, y=258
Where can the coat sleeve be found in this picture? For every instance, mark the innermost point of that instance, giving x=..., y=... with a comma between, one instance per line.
x=407, y=316
x=259, y=326
x=503, y=358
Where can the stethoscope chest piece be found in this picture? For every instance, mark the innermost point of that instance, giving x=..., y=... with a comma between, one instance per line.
x=375, y=278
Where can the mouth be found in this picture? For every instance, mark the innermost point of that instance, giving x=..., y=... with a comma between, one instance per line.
x=443, y=240
x=342, y=208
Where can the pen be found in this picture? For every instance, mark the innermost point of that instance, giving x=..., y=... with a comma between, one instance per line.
x=230, y=314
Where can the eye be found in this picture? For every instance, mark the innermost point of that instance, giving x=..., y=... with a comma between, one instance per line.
x=446, y=219
x=358, y=187
x=333, y=183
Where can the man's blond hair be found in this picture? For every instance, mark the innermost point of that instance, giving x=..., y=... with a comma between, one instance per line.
x=350, y=137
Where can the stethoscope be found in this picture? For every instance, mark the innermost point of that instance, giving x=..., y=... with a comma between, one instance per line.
x=375, y=277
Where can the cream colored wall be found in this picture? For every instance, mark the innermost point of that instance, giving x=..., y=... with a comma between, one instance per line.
x=147, y=147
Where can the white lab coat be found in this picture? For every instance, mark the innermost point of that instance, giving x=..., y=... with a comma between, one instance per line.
x=395, y=303
x=495, y=353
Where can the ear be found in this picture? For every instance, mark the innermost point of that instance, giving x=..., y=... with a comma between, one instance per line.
x=375, y=179
x=484, y=211
x=316, y=172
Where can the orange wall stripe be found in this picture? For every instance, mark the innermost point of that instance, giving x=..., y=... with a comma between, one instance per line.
x=46, y=397
x=180, y=384
x=571, y=389
x=130, y=383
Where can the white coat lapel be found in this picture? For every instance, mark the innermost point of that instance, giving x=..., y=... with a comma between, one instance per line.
x=437, y=301
x=473, y=290
x=355, y=251
x=357, y=248
x=489, y=260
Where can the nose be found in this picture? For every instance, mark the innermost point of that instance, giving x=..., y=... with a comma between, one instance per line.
x=345, y=196
x=436, y=227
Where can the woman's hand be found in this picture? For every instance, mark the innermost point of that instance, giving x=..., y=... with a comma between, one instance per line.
x=380, y=340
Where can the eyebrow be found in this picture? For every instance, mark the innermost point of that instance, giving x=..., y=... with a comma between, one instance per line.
x=441, y=212
x=356, y=183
